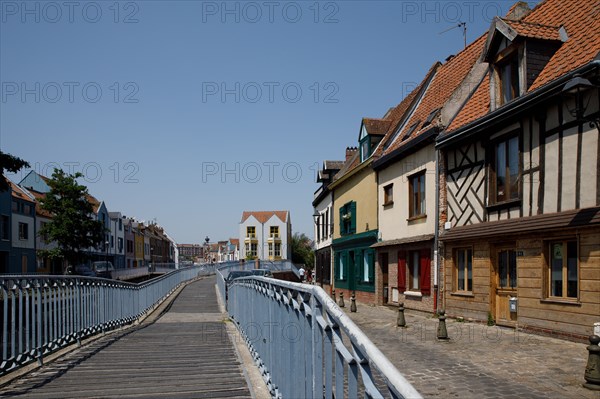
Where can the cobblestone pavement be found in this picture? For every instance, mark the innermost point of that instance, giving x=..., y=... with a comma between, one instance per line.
x=478, y=361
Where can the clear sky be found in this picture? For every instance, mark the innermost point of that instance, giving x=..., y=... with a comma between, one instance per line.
x=190, y=112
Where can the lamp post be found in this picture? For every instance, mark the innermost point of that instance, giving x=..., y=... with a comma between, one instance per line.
x=206, y=249
x=573, y=92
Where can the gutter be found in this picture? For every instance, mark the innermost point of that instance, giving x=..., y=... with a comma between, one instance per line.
x=518, y=106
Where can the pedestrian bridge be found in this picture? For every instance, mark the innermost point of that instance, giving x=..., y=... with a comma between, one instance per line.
x=169, y=339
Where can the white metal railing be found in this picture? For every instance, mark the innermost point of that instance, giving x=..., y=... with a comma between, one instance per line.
x=306, y=346
x=41, y=314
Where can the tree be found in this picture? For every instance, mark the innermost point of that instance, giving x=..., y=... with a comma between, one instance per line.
x=302, y=250
x=72, y=225
x=12, y=164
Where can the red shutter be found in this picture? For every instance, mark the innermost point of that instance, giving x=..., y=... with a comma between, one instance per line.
x=402, y=271
x=425, y=271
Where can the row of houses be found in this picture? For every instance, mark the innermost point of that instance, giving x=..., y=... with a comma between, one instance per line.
x=128, y=243
x=480, y=192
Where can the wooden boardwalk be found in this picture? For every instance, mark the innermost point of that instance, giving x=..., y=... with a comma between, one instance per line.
x=186, y=353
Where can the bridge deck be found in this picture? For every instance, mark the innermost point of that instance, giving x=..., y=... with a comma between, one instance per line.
x=187, y=353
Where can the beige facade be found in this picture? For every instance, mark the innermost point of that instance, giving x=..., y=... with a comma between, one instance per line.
x=394, y=219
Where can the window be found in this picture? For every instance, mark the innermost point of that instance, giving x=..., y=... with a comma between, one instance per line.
x=43, y=237
x=251, y=232
x=278, y=250
x=251, y=250
x=270, y=250
x=15, y=206
x=508, y=78
x=413, y=271
x=120, y=224
x=112, y=241
x=4, y=227
x=505, y=184
x=563, y=269
x=120, y=244
x=341, y=271
x=328, y=230
x=417, y=195
x=23, y=231
x=464, y=270
x=388, y=195
x=507, y=269
x=348, y=218
x=274, y=231
x=365, y=148
x=368, y=267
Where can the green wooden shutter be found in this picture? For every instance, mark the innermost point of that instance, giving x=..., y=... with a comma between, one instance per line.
x=353, y=212
x=346, y=265
x=342, y=232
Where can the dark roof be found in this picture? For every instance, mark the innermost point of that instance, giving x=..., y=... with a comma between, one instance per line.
x=400, y=241
x=570, y=219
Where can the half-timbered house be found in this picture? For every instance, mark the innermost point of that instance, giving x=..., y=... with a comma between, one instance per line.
x=520, y=181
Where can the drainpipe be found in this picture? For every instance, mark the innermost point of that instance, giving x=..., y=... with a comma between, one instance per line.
x=437, y=228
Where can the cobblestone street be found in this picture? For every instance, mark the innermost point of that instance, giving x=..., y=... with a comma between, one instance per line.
x=478, y=361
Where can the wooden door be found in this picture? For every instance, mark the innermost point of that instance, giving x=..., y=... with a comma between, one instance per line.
x=504, y=285
x=24, y=264
x=384, y=262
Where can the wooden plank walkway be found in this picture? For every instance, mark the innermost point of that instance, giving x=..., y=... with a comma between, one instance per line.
x=187, y=353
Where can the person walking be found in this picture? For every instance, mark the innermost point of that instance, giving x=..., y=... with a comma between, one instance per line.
x=302, y=273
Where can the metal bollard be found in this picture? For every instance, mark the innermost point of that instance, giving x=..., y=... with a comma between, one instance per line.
x=333, y=294
x=401, y=321
x=442, y=333
x=353, y=302
x=592, y=370
x=341, y=303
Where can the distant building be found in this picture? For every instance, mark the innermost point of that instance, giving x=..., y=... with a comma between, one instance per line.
x=266, y=235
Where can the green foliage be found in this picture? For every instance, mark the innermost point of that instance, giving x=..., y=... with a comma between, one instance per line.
x=72, y=226
x=12, y=164
x=490, y=320
x=302, y=250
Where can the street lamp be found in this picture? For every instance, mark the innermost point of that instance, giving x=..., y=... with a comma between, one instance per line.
x=573, y=91
x=206, y=249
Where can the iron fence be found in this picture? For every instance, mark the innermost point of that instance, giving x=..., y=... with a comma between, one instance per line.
x=306, y=346
x=41, y=314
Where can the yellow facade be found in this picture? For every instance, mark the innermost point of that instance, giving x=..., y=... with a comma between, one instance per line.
x=360, y=187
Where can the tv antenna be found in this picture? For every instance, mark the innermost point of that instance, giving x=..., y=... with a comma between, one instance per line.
x=462, y=25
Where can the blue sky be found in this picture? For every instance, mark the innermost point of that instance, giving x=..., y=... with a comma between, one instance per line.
x=189, y=112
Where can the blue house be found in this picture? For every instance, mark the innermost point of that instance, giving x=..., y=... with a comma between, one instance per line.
x=22, y=257
x=5, y=223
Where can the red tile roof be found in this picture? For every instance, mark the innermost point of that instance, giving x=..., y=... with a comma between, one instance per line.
x=395, y=116
x=264, y=216
x=534, y=30
x=17, y=192
x=581, y=21
x=445, y=82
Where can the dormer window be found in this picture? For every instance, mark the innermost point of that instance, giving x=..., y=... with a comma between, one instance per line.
x=517, y=52
x=508, y=78
x=371, y=133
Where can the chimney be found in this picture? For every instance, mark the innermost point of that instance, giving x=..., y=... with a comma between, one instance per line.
x=350, y=152
x=518, y=11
